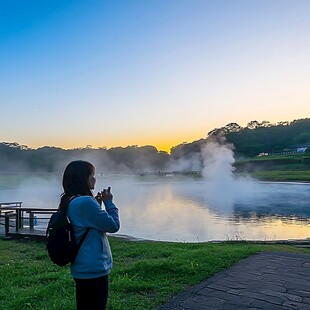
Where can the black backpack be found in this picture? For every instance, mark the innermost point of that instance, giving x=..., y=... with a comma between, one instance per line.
x=60, y=240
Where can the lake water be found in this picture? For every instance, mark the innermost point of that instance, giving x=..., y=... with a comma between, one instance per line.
x=183, y=209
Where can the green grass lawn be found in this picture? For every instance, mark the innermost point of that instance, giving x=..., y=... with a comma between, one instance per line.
x=301, y=176
x=145, y=274
x=278, y=167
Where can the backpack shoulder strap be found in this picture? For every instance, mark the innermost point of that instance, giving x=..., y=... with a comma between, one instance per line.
x=72, y=197
x=87, y=230
x=65, y=209
x=83, y=238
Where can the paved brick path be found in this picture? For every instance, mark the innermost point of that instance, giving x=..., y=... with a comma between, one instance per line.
x=268, y=281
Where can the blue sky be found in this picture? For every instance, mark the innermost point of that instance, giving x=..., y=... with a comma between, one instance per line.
x=139, y=72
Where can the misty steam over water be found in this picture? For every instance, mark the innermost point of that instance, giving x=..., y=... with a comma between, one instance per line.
x=217, y=206
x=178, y=208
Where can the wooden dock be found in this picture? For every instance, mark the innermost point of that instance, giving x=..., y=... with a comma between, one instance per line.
x=19, y=222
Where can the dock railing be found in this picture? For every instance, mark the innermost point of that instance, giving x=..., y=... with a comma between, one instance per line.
x=16, y=216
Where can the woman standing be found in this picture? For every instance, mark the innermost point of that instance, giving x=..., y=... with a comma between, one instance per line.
x=94, y=261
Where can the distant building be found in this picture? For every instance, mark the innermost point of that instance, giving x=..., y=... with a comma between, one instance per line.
x=294, y=149
x=302, y=148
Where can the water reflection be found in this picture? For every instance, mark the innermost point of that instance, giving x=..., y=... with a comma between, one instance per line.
x=193, y=210
x=184, y=209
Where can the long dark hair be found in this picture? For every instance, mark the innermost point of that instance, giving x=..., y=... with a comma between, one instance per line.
x=75, y=181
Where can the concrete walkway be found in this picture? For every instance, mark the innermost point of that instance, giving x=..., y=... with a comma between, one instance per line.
x=266, y=280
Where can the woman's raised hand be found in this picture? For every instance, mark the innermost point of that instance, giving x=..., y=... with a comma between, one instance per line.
x=104, y=195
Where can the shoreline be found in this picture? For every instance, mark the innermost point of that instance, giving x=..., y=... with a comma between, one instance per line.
x=297, y=242
x=304, y=241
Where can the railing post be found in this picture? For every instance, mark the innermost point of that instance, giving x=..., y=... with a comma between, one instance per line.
x=19, y=220
x=31, y=218
x=7, y=224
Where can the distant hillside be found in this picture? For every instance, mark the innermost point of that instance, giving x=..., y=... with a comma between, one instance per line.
x=248, y=142
x=265, y=137
x=253, y=139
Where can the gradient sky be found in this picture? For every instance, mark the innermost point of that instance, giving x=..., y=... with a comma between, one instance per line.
x=149, y=72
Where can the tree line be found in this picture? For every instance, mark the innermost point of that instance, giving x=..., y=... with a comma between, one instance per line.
x=256, y=137
x=265, y=137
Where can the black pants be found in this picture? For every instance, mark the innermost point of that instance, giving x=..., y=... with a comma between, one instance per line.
x=91, y=294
